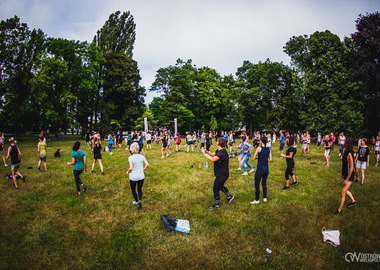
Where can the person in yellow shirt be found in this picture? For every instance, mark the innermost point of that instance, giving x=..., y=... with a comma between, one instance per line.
x=42, y=153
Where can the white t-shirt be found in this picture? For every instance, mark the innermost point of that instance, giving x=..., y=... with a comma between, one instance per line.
x=342, y=139
x=137, y=172
x=148, y=137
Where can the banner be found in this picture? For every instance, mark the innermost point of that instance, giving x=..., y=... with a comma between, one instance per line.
x=146, y=124
x=175, y=126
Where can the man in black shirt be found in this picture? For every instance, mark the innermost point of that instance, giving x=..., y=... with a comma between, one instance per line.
x=221, y=170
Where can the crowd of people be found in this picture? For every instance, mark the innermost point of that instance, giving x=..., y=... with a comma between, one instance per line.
x=354, y=163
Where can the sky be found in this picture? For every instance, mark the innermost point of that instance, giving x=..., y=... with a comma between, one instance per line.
x=220, y=34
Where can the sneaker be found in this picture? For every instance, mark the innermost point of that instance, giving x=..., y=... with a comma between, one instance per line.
x=111, y=154
x=294, y=183
x=375, y=165
x=134, y=202
x=23, y=179
x=139, y=204
x=337, y=212
x=252, y=170
x=84, y=189
x=285, y=187
x=16, y=187
x=230, y=199
x=238, y=169
x=327, y=165
x=281, y=157
x=5, y=165
x=215, y=206
x=351, y=204
x=255, y=202
x=324, y=164
x=39, y=168
x=162, y=157
x=92, y=171
x=102, y=173
x=265, y=200
x=340, y=154
x=245, y=173
x=167, y=155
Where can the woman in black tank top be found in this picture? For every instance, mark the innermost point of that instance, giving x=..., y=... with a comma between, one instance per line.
x=15, y=154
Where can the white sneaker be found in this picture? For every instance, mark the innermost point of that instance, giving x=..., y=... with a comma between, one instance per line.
x=162, y=157
x=111, y=154
x=255, y=202
x=167, y=155
x=265, y=200
x=238, y=169
x=252, y=170
x=134, y=202
x=245, y=173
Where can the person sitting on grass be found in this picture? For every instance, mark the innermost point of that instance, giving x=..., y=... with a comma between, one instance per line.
x=347, y=174
x=289, y=155
x=15, y=154
x=78, y=159
x=221, y=170
x=41, y=149
x=58, y=153
x=136, y=173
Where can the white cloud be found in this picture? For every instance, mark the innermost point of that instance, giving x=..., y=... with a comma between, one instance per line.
x=217, y=33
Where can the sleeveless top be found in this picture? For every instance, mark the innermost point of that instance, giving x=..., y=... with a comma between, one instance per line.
x=14, y=155
x=263, y=157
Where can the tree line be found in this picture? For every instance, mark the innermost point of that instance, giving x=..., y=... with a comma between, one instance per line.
x=330, y=85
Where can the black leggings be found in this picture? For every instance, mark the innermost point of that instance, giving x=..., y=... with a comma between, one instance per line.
x=219, y=186
x=289, y=170
x=78, y=182
x=208, y=146
x=261, y=173
x=139, y=189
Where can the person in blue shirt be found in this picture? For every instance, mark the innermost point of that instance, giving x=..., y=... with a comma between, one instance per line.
x=78, y=159
x=136, y=172
x=246, y=150
x=110, y=142
x=282, y=142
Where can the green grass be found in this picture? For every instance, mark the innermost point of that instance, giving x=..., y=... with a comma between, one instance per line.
x=45, y=224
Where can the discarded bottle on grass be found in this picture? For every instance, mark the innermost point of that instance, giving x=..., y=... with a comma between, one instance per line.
x=267, y=257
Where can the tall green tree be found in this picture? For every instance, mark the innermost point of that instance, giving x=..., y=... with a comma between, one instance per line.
x=19, y=48
x=366, y=69
x=332, y=101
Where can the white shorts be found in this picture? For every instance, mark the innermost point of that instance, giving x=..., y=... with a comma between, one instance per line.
x=327, y=152
x=304, y=146
x=361, y=164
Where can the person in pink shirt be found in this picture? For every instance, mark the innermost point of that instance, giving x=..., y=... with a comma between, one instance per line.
x=332, y=137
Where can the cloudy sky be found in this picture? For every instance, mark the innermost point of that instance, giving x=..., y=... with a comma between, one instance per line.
x=220, y=34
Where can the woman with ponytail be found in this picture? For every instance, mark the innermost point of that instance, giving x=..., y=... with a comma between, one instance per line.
x=263, y=154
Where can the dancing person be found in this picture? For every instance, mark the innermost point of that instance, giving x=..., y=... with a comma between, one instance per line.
x=164, y=148
x=221, y=171
x=208, y=141
x=362, y=159
x=304, y=144
x=246, y=149
x=148, y=138
x=2, y=149
x=347, y=174
x=289, y=155
x=319, y=140
x=41, y=150
x=341, y=140
x=97, y=151
x=282, y=142
x=377, y=150
x=274, y=137
x=189, y=140
x=332, y=137
x=231, y=140
x=203, y=140
x=78, y=159
x=327, y=146
x=15, y=154
x=136, y=173
x=178, y=143
x=308, y=136
x=110, y=142
x=263, y=154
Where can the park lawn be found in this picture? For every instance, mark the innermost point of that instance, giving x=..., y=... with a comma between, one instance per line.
x=45, y=224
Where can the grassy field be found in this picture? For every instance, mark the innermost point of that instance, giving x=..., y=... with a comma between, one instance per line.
x=45, y=225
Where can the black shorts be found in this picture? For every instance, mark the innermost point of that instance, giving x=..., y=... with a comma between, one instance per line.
x=190, y=142
x=230, y=143
x=148, y=141
x=164, y=145
x=178, y=143
x=98, y=156
x=43, y=159
x=377, y=153
x=1, y=148
x=203, y=144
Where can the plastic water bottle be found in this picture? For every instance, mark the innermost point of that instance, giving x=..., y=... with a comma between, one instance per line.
x=267, y=257
x=200, y=166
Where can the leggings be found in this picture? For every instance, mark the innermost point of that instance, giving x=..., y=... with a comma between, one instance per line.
x=261, y=173
x=289, y=170
x=245, y=162
x=78, y=182
x=139, y=189
x=110, y=147
x=219, y=186
x=208, y=146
